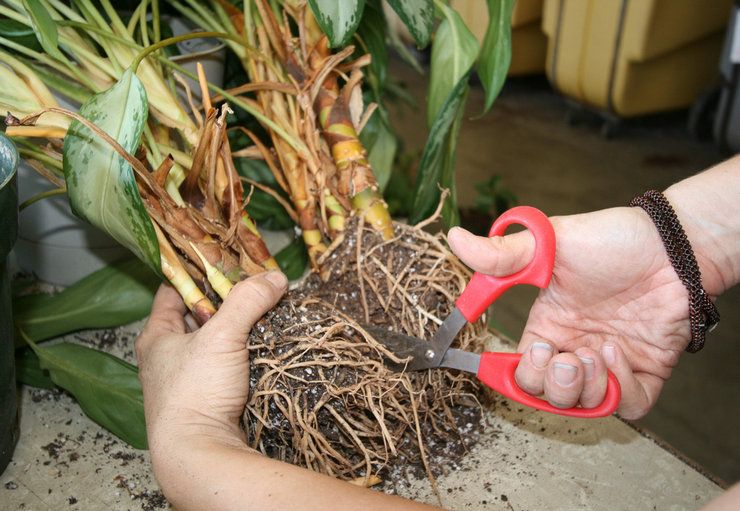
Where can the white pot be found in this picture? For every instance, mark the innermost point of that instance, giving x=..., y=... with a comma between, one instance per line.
x=211, y=53
x=54, y=244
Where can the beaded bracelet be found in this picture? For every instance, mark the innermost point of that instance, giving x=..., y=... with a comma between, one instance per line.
x=703, y=314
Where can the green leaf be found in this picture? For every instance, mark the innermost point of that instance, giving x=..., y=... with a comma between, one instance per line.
x=100, y=183
x=418, y=16
x=293, y=259
x=438, y=159
x=28, y=370
x=496, y=51
x=381, y=144
x=262, y=206
x=19, y=33
x=454, y=51
x=113, y=296
x=372, y=35
x=44, y=27
x=60, y=84
x=106, y=387
x=338, y=18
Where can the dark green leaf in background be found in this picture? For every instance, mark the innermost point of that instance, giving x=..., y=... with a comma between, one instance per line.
x=107, y=388
x=338, y=18
x=418, y=16
x=381, y=144
x=44, y=27
x=28, y=370
x=495, y=55
x=293, y=259
x=100, y=183
x=454, y=51
x=113, y=296
x=372, y=40
x=262, y=207
x=438, y=159
x=19, y=33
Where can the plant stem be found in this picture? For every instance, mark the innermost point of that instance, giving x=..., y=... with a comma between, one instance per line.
x=296, y=144
x=41, y=196
x=174, y=40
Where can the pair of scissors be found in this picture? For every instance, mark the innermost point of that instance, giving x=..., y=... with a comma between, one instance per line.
x=494, y=369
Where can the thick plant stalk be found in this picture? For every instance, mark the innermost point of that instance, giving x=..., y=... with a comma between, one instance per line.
x=198, y=304
x=356, y=177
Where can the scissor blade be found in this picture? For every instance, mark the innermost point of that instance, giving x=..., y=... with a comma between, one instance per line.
x=403, y=346
x=462, y=360
x=424, y=354
x=445, y=334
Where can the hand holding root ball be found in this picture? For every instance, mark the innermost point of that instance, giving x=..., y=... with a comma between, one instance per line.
x=194, y=380
x=195, y=389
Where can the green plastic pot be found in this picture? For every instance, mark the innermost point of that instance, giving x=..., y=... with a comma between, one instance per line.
x=8, y=235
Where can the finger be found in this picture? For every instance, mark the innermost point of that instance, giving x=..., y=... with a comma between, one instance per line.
x=246, y=303
x=635, y=401
x=498, y=255
x=530, y=373
x=594, y=377
x=564, y=380
x=167, y=313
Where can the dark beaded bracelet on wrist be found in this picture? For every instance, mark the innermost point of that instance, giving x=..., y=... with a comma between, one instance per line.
x=703, y=315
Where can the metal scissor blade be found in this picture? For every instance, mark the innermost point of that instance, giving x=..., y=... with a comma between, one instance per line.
x=445, y=334
x=425, y=354
x=403, y=346
x=462, y=360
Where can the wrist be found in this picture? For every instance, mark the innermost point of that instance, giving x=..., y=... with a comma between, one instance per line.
x=703, y=206
x=187, y=466
x=181, y=430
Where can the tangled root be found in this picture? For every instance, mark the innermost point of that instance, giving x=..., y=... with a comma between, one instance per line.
x=320, y=396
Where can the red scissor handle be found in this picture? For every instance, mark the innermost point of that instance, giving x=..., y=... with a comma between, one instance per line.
x=497, y=371
x=483, y=290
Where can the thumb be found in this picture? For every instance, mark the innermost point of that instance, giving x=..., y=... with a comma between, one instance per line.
x=247, y=302
x=498, y=256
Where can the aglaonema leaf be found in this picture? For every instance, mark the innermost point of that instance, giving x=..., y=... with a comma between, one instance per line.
x=100, y=183
x=454, y=51
x=28, y=370
x=263, y=207
x=495, y=57
x=338, y=18
x=106, y=387
x=19, y=33
x=293, y=259
x=372, y=35
x=438, y=160
x=381, y=144
x=113, y=296
x=418, y=16
x=44, y=27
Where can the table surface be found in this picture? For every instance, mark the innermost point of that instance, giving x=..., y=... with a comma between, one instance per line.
x=525, y=460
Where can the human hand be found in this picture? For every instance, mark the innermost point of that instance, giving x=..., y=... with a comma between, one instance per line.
x=614, y=302
x=196, y=381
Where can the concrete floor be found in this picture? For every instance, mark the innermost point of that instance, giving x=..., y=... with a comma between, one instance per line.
x=564, y=169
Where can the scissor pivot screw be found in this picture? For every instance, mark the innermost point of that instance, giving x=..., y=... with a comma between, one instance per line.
x=429, y=354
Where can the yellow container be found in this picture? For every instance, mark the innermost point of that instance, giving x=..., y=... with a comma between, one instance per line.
x=528, y=42
x=634, y=57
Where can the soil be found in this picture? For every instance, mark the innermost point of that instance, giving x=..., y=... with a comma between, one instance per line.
x=321, y=396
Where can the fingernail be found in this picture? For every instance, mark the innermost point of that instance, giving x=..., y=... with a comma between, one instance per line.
x=541, y=353
x=609, y=353
x=564, y=374
x=588, y=367
x=277, y=279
